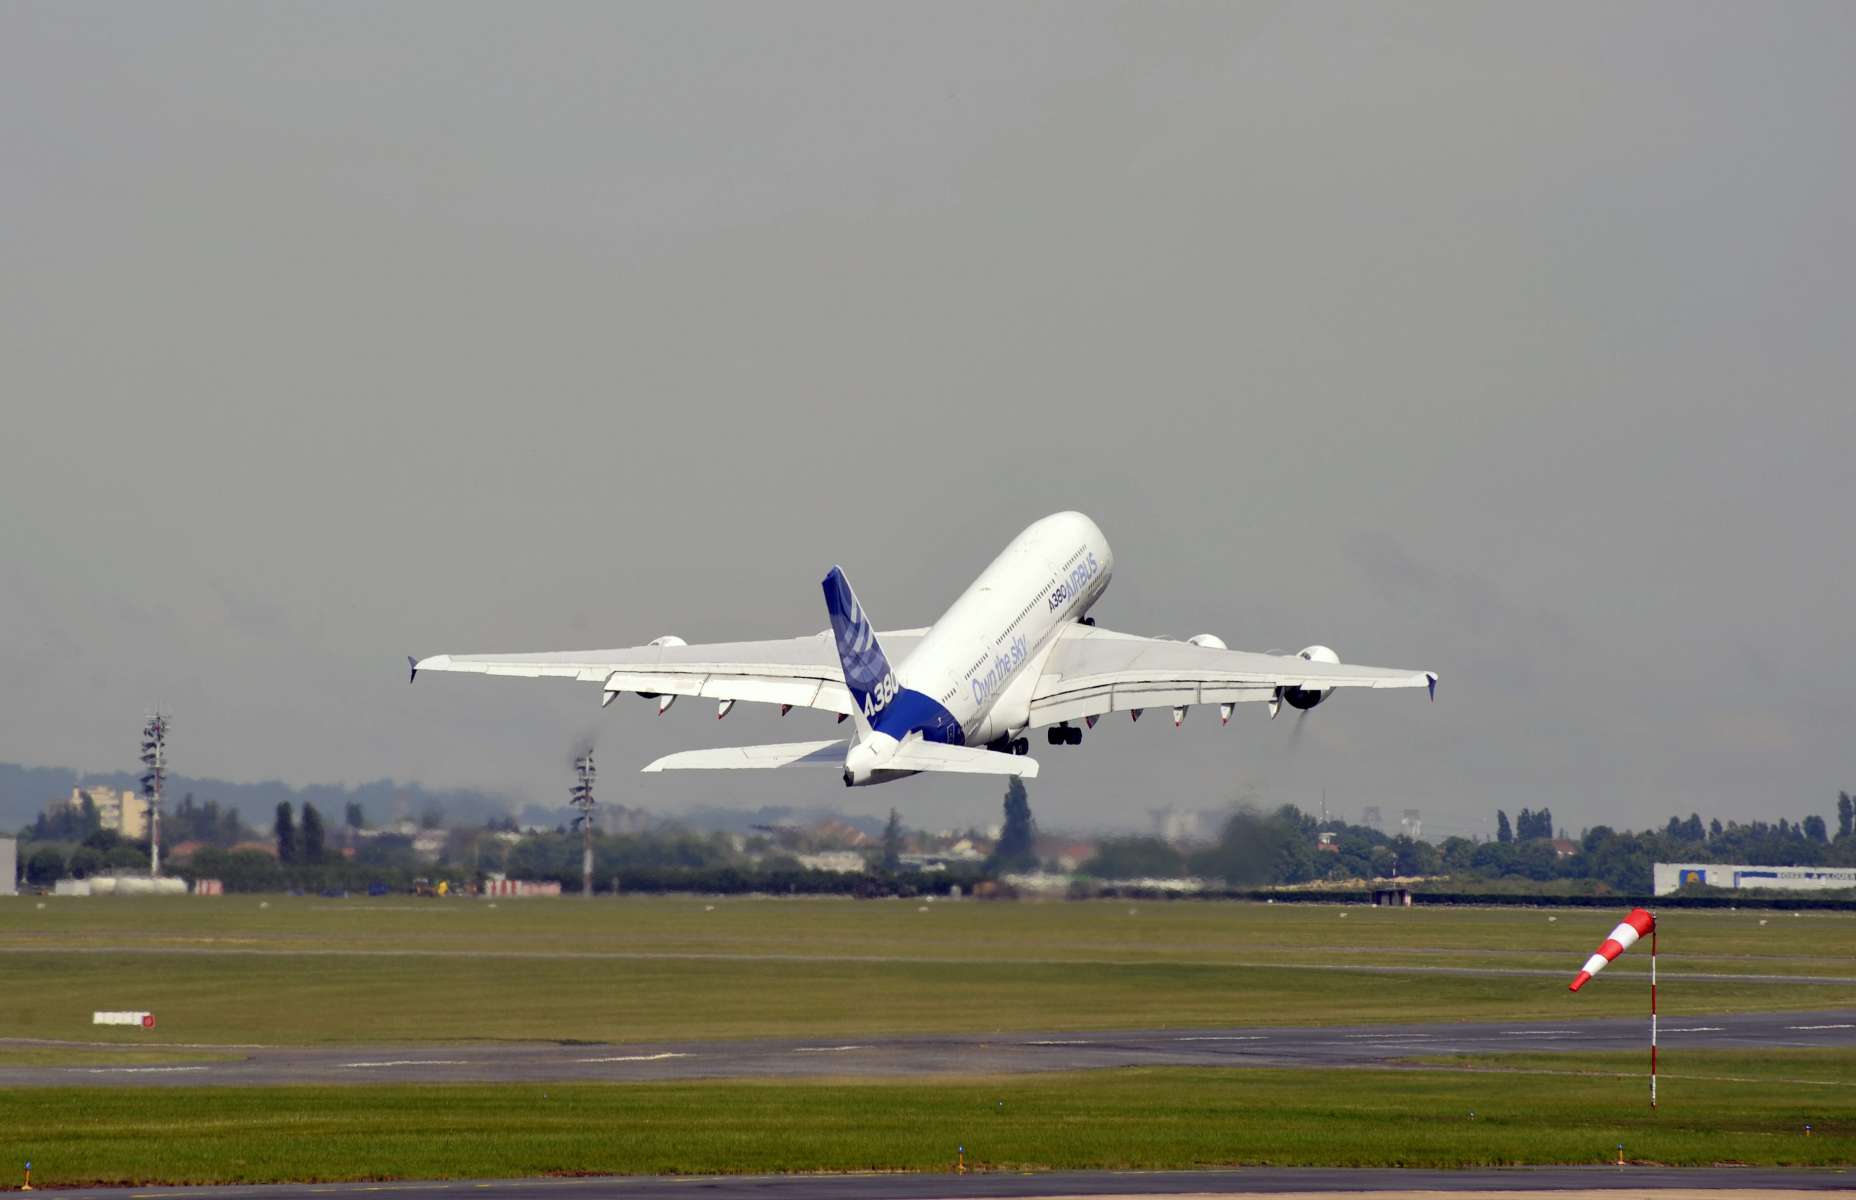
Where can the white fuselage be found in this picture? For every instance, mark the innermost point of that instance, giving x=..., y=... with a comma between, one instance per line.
x=981, y=660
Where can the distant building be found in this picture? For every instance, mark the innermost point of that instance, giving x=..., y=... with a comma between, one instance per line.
x=967, y=850
x=1672, y=877
x=123, y=812
x=1178, y=826
x=498, y=884
x=618, y=819
x=839, y=834
x=844, y=862
x=1067, y=855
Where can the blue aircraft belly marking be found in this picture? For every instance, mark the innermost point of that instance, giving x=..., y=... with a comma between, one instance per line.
x=914, y=712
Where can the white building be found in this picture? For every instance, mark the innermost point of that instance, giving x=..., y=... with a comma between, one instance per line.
x=125, y=812
x=1672, y=877
x=843, y=862
x=1182, y=826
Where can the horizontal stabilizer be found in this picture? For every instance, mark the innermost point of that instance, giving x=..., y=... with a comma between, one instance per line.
x=914, y=755
x=750, y=758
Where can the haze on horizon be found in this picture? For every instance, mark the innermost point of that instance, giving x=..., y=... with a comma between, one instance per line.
x=1508, y=342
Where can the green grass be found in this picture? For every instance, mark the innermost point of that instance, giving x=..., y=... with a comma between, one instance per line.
x=1197, y=931
x=1831, y=1068
x=316, y=971
x=313, y=971
x=1151, y=1118
x=277, y=1000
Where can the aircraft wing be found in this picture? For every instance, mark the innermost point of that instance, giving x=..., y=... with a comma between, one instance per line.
x=802, y=672
x=1091, y=671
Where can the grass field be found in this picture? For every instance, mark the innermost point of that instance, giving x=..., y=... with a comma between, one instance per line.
x=1124, y=1119
x=301, y=970
x=281, y=970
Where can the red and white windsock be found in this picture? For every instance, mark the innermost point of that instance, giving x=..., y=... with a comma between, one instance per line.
x=1622, y=938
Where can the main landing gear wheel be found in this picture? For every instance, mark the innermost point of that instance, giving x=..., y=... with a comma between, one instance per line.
x=1021, y=746
x=1064, y=735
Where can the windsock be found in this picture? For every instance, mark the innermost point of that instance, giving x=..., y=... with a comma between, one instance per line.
x=1622, y=938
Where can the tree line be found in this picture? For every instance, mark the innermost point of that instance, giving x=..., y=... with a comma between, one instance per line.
x=1254, y=848
x=1284, y=846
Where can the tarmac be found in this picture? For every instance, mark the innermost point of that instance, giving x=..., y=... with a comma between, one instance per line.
x=977, y=1054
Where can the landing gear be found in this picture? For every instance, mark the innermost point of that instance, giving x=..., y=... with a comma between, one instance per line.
x=1064, y=735
x=1021, y=746
x=1009, y=745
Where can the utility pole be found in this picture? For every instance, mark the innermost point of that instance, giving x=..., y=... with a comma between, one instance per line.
x=583, y=800
x=154, y=776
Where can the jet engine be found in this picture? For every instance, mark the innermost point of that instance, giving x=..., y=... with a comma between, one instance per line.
x=1306, y=698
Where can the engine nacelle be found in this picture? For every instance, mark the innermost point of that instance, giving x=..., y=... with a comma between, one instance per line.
x=1216, y=643
x=1306, y=698
x=664, y=702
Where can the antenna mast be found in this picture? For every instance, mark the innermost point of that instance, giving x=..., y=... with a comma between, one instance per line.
x=154, y=778
x=583, y=800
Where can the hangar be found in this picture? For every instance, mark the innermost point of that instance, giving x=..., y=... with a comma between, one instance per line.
x=1672, y=877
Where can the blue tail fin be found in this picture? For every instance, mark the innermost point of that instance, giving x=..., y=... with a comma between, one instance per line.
x=866, y=668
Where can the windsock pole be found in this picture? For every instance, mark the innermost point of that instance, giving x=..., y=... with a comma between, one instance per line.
x=1639, y=922
x=1652, y=1016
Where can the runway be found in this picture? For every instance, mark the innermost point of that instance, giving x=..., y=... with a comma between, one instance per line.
x=1509, y=1182
x=981, y=1054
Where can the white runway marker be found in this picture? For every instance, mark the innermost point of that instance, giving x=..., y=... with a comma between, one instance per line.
x=413, y=1062
x=1223, y=1037
x=1821, y=1027
x=139, y=1070
x=633, y=1058
x=826, y=1049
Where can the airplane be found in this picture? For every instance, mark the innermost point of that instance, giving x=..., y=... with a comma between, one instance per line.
x=1017, y=651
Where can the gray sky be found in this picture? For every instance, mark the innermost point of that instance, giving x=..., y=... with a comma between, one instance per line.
x=1508, y=341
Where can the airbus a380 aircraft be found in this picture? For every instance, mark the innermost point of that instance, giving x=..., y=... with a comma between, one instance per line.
x=1017, y=651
